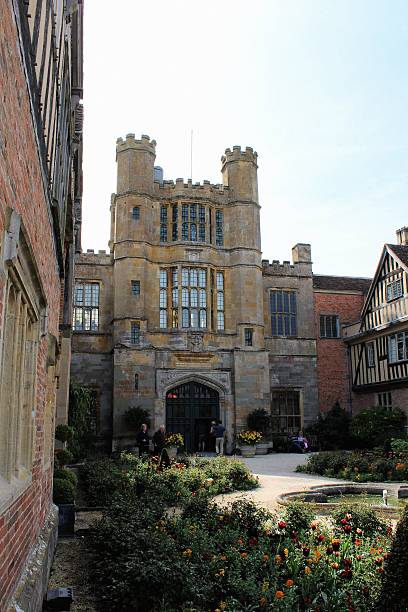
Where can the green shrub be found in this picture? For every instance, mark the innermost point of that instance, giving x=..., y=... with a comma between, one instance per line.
x=80, y=417
x=332, y=429
x=63, y=456
x=298, y=516
x=260, y=420
x=362, y=517
x=63, y=491
x=399, y=446
x=326, y=463
x=378, y=426
x=63, y=433
x=67, y=475
x=394, y=593
x=135, y=416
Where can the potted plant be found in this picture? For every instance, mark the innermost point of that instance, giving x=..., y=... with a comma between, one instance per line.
x=173, y=441
x=259, y=420
x=63, y=496
x=248, y=440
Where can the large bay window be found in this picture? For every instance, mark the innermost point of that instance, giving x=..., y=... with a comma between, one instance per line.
x=195, y=221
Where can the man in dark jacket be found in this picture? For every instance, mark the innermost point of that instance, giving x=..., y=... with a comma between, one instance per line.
x=142, y=440
x=159, y=440
x=218, y=431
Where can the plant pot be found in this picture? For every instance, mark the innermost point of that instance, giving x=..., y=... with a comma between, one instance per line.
x=66, y=519
x=171, y=451
x=262, y=448
x=247, y=450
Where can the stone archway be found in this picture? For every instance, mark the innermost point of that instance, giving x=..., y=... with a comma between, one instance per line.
x=190, y=408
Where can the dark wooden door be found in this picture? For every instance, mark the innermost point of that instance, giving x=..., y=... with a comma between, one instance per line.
x=190, y=408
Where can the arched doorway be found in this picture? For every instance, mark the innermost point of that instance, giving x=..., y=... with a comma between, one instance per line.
x=190, y=408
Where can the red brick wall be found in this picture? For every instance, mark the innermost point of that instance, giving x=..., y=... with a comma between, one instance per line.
x=21, y=188
x=332, y=364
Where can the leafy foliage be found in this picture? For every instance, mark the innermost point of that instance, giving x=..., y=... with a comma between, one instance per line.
x=395, y=587
x=399, y=446
x=332, y=429
x=63, y=433
x=63, y=456
x=63, y=491
x=377, y=426
x=359, y=517
x=298, y=516
x=260, y=420
x=135, y=416
x=80, y=420
x=67, y=475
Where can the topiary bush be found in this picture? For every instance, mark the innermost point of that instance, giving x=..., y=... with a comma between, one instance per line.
x=63, y=491
x=377, y=427
x=332, y=429
x=64, y=433
x=67, y=475
x=394, y=593
x=63, y=456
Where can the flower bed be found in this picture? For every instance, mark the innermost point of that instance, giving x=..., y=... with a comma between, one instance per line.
x=235, y=559
x=359, y=466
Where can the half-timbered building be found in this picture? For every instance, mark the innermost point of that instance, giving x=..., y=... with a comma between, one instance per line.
x=378, y=343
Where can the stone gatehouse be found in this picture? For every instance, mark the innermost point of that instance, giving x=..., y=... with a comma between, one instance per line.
x=183, y=317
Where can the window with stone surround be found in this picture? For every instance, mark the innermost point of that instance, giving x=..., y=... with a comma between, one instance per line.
x=220, y=302
x=195, y=221
x=86, y=306
x=219, y=227
x=135, y=332
x=135, y=287
x=283, y=313
x=163, y=223
x=24, y=313
x=329, y=326
x=136, y=213
x=286, y=413
x=174, y=218
x=248, y=332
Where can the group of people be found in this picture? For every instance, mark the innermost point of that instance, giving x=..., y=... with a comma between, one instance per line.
x=143, y=440
x=299, y=442
x=217, y=432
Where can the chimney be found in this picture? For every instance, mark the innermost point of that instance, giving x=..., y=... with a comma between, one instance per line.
x=402, y=236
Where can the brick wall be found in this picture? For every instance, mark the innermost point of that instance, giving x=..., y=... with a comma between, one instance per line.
x=332, y=364
x=21, y=188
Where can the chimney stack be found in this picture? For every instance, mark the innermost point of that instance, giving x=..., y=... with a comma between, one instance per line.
x=402, y=236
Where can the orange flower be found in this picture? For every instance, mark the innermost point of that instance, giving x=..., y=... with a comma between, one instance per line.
x=279, y=594
x=335, y=566
x=357, y=542
x=188, y=552
x=244, y=555
x=223, y=558
x=265, y=557
x=262, y=601
x=278, y=559
x=308, y=570
x=289, y=582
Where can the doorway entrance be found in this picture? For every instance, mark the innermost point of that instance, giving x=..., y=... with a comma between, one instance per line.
x=190, y=408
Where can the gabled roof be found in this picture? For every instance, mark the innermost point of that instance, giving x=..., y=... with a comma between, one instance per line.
x=341, y=283
x=398, y=252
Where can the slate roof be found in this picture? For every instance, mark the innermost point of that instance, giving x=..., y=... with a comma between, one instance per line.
x=401, y=251
x=341, y=283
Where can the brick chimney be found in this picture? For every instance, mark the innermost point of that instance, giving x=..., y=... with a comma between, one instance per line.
x=402, y=236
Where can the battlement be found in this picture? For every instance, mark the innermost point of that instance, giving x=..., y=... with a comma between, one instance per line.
x=130, y=142
x=179, y=186
x=237, y=154
x=91, y=257
x=302, y=262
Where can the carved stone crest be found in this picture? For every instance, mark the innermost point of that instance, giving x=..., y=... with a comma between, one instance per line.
x=195, y=342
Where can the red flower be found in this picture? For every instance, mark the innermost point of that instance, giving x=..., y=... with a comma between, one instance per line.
x=379, y=561
x=281, y=524
x=329, y=550
x=348, y=562
x=343, y=521
x=320, y=538
x=306, y=551
x=346, y=574
x=347, y=528
x=336, y=544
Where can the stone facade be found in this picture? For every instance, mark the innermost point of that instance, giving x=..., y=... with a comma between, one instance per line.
x=184, y=298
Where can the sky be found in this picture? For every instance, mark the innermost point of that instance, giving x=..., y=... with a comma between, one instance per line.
x=319, y=88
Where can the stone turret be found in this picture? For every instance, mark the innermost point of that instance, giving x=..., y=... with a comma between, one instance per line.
x=135, y=159
x=239, y=170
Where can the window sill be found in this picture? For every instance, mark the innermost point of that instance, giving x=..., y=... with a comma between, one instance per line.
x=11, y=491
x=397, y=363
x=330, y=338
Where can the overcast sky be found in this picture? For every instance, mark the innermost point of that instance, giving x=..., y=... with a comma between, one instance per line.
x=318, y=87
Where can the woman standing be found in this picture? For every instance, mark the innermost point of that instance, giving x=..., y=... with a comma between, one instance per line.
x=142, y=440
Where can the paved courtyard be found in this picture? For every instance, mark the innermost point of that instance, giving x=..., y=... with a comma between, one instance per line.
x=277, y=475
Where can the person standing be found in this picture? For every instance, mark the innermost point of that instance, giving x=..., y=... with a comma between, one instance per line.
x=218, y=431
x=142, y=440
x=159, y=440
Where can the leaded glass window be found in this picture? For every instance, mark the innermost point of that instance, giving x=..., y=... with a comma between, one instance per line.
x=219, y=227
x=163, y=224
x=220, y=301
x=86, y=307
x=135, y=332
x=283, y=313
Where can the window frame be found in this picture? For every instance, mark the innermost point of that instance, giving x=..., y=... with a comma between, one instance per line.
x=394, y=290
x=248, y=336
x=292, y=313
x=135, y=287
x=135, y=333
x=136, y=213
x=399, y=340
x=370, y=354
x=327, y=320
x=287, y=392
x=85, y=309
